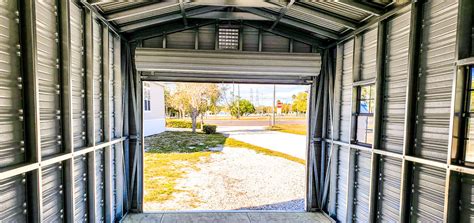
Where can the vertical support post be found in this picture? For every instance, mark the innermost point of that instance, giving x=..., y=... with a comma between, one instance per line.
x=32, y=118
x=91, y=169
x=410, y=107
x=352, y=153
x=107, y=130
x=291, y=46
x=196, y=38
x=165, y=37
x=241, y=38
x=273, y=106
x=141, y=143
x=260, y=39
x=378, y=117
x=216, y=37
x=67, y=113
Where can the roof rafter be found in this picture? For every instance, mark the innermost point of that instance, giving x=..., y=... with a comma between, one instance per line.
x=159, y=30
x=167, y=18
x=364, y=7
x=140, y=11
x=282, y=13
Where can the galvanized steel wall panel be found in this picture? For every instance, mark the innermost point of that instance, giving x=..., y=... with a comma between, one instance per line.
x=346, y=91
x=11, y=109
x=203, y=62
x=389, y=184
x=368, y=54
x=427, y=204
x=342, y=177
x=299, y=47
x=274, y=43
x=466, y=203
x=155, y=42
x=78, y=76
x=207, y=37
x=249, y=39
x=395, y=83
x=100, y=186
x=13, y=199
x=48, y=78
x=436, y=78
x=362, y=172
x=118, y=112
x=111, y=84
x=181, y=40
x=113, y=151
x=52, y=192
x=80, y=189
x=98, y=82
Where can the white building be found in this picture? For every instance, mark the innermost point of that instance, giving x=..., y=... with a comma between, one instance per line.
x=153, y=108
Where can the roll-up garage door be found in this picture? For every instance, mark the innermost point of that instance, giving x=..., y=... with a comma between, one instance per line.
x=78, y=76
x=227, y=66
x=11, y=109
x=48, y=76
x=395, y=82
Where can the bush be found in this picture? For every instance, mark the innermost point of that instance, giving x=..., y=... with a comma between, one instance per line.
x=181, y=124
x=209, y=129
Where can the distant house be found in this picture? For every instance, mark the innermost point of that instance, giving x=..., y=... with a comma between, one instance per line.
x=153, y=108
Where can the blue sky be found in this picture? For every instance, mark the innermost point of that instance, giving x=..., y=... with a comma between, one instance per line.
x=265, y=92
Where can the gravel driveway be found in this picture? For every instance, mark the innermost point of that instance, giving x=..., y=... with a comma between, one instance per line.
x=239, y=179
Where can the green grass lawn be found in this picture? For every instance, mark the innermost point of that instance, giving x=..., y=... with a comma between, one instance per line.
x=169, y=155
x=293, y=129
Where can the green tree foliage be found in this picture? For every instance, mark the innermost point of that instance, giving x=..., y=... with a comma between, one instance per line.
x=300, y=102
x=241, y=107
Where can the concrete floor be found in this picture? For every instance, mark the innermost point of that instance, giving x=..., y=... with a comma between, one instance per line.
x=228, y=217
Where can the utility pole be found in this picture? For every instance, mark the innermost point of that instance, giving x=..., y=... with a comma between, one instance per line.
x=274, y=101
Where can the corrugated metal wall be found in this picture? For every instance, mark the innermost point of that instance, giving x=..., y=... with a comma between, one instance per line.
x=206, y=40
x=402, y=177
x=11, y=84
x=53, y=51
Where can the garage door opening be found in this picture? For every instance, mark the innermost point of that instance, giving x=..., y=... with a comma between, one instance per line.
x=248, y=151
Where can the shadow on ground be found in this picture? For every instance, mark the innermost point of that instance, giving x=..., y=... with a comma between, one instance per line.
x=293, y=205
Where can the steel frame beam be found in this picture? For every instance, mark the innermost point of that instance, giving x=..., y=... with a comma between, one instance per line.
x=222, y=16
x=167, y=18
x=283, y=11
x=183, y=12
x=163, y=30
x=140, y=11
x=303, y=26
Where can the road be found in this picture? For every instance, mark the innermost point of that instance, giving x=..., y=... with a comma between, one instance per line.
x=291, y=144
x=252, y=122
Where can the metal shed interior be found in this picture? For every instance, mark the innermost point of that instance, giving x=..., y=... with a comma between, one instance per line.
x=70, y=93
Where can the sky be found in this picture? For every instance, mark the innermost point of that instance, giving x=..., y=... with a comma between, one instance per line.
x=261, y=94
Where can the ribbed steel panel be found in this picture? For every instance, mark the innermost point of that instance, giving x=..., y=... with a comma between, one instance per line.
x=395, y=83
x=98, y=82
x=307, y=15
x=13, y=199
x=80, y=189
x=11, y=109
x=368, y=54
x=436, y=74
x=346, y=91
x=389, y=184
x=466, y=203
x=180, y=40
x=168, y=61
x=362, y=171
x=207, y=36
x=155, y=42
x=341, y=187
x=118, y=117
x=299, y=47
x=78, y=76
x=108, y=7
x=340, y=9
x=117, y=178
x=100, y=186
x=48, y=76
x=168, y=8
x=427, y=204
x=274, y=43
x=52, y=193
x=249, y=39
x=111, y=84
x=114, y=168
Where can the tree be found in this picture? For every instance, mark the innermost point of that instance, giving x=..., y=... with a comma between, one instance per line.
x=241, y=107
x=195, y=99
x=300, y=102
